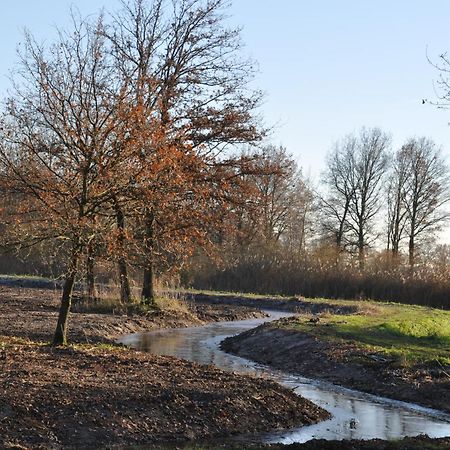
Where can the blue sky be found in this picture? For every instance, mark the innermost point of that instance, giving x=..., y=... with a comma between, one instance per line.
x=328, y=67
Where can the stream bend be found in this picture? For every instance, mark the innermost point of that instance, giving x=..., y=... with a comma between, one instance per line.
x=355, y=415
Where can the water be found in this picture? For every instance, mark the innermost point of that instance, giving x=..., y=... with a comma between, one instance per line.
x=355, y=415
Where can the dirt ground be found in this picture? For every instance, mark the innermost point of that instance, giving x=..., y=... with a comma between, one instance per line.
x=97, y=396
x=94, y=396
x=420, y=442
x=91, y=397
x=415, y=443
x=302, y=354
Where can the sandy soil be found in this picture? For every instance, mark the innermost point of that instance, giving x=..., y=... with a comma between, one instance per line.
x=346, y=365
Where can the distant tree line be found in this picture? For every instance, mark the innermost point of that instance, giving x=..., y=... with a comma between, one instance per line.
x=367, y=232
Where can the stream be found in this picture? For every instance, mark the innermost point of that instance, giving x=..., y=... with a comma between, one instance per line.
x=355, y=415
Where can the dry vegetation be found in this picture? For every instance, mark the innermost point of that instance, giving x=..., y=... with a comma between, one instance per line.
x=318, y=275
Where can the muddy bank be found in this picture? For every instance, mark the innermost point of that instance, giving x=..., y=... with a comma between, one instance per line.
x=408, y=443
x=343, y=364
x=32, y=313
x=94, y=397
x=415, y=443
x=288, y=304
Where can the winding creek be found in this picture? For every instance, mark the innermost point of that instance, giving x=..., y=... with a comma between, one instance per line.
x=355, y=415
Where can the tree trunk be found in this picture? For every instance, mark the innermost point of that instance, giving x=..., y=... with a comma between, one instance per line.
x=90, y=276
x=361, y=258
x=342, y=222
x=60, y=336
x=148, y=286
x=395, y=250
x=125, y=290
x=411, y=252
x=361, y=253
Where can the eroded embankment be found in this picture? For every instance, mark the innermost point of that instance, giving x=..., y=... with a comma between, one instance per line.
x=341, y=363
x=288, y=304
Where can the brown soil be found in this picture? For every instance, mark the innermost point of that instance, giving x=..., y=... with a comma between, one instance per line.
x=346, y=365
x=32, y=314
x=409, y=443
x=93, y=396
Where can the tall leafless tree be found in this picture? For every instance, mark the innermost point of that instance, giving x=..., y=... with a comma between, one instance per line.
x=370, y=165
x=338, y=179
x=275, y=192
x=355, y=170
x=426, y=190
x=397, y=213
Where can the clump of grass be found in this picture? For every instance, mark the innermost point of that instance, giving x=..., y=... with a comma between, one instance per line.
x=172, y=303
x=11, y=341
x=100, y=305
x=102, y=347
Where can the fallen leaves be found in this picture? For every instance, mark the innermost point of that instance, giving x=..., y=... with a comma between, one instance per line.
x=84, y=396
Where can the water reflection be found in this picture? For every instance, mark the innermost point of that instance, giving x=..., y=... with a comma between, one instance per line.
x=355, y=415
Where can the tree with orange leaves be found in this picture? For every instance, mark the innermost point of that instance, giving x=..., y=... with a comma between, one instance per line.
x=57, y=147
x=128, y=121
x=189, y=78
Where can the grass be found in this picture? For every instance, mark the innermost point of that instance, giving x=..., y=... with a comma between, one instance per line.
x=407, y=334
x=234, y=294
x=25, y=276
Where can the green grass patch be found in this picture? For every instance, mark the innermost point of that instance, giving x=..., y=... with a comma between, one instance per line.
x=408, y=334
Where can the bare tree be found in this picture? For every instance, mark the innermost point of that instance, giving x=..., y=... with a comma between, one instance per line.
x=370, y=165
x=278, y=205
x=442, y=84
x=426, y=190
x=397, y=213
x=355, y=170
x=338, y=178
x=275, y=192
x=301, y=227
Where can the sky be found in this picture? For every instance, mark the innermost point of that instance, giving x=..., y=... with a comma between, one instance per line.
x=327, y=67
